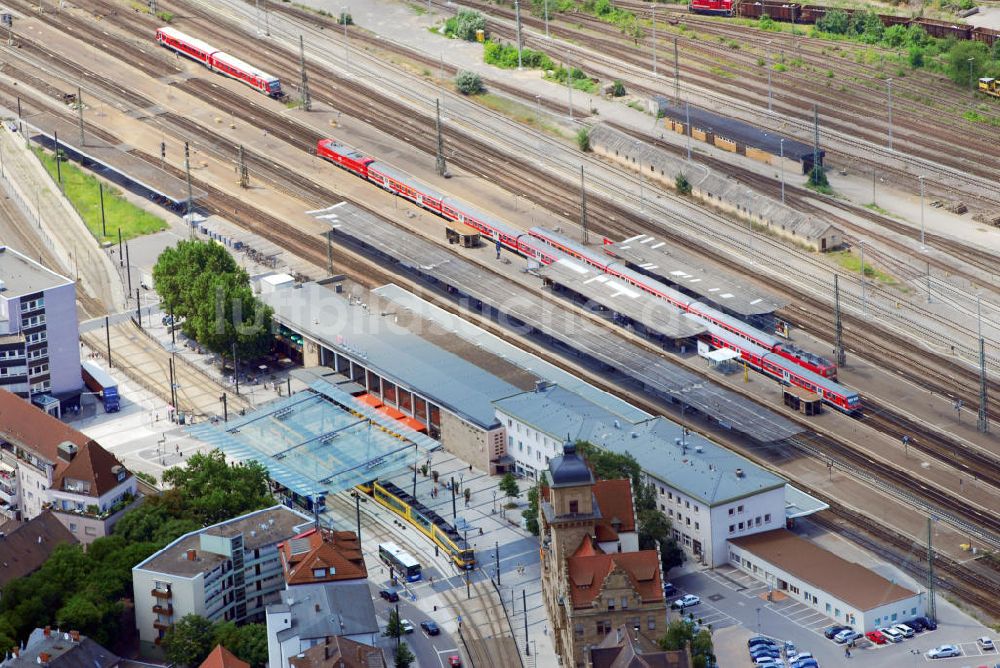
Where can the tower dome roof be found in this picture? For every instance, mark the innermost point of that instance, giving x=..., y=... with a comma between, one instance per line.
x=569, y=469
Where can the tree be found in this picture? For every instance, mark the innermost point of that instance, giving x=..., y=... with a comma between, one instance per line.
x=394, y=628
x=678, y=634
x=835, y=21
x=583, y=139
x=508, y=485
x=404, y=656
x=702, y=648
x=467, y=23
x=189, y=641
x=343, y=19
x=817, y=178
x=247, y=642
x=617, y=88
x=534, y=499
x=215, y=491
x=468, y=83
x=682, y=184
x=965, y=62
x=867, y=25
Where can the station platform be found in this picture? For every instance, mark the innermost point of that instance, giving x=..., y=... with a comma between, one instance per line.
x=498, y=297
x=118, y=159
x=676, y=267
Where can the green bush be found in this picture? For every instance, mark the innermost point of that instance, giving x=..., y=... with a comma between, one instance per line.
x=618, y=88
x=468, y=83
x=345, y=19
x=683, y=185
x=583, y=139
x=505, y=56
x=465, y=24
x=768, y=24
x=916, y=57
x=836, y=21
x=957, y=65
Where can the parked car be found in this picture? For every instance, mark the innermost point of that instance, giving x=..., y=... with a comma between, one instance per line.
x=808, y=662
x=928, y=623
x=916, y=624
x=845, y=636
x=669, y=589
x=904, y=629
x=891, y=634
x=686, y=601
x=430, y=627
x=455, y=661
x=790, y=648
x=944, y=652
x=986, y=644
x=760, y=652
x=761, y=640
x=876, y=637
x=769, y=662
x=406, y=625
x=389, y=595
x=831, y=631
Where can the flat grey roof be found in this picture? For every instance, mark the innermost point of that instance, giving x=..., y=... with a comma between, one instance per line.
x=540, y=313
x=173, y=559
x=391, y=350
x=320, y=610
x=527, y=361
x=800, y=504
x=116, y=158
x=615, y=295
x=708, y=475
x=674, y=266
x=23, y=276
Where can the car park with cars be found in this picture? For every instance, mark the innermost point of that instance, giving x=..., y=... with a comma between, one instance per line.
x=944, y=652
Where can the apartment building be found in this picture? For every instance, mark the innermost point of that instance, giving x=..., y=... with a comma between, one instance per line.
x=39, y=333
x=229, y=571
x=709, y=493
x=47, y=465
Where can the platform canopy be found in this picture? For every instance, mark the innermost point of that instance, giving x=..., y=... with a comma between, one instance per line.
x=722, y=355
x=319, y=441
x=800, y=504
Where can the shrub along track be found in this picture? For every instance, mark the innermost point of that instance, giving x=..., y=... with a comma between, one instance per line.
x=308, y=246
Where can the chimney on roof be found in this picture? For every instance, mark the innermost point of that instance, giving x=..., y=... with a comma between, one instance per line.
x=43, y=658
x=48, y=631
x=16, y=652
x=541, y=385
x=192, y=555
x=74, y=636
x=739, y=473
x=67, y=451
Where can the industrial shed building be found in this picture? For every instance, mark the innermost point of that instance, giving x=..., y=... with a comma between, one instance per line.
x=715, y=189
x=842, y=590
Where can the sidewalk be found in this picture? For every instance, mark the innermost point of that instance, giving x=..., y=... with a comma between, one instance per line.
x=63, y=229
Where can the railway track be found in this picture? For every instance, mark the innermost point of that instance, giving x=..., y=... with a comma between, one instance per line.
x=307, y=242
x=747, y=90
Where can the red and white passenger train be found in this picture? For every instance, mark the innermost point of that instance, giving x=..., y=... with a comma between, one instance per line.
x=218, y=61
x=761, y=350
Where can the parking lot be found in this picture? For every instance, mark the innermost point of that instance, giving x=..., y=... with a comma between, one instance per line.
x=737, y=608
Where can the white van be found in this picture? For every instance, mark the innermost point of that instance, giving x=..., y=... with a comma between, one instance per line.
x=892, y=634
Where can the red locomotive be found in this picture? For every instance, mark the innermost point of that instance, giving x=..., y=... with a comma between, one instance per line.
x=218, y=61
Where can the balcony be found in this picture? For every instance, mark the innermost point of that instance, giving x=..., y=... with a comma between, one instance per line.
x=167, y=610
x=161, y=593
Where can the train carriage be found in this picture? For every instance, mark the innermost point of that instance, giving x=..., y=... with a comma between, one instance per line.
x=186, y=45
x=218, y=61
x=717, y=7
x=404, y=185
x=345, y=156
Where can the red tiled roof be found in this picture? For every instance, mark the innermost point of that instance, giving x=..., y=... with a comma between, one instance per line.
x=587, y=548
x=338, y=551
x=614, y=498
x=220, y=657
x=587, y=575
x=33, y=429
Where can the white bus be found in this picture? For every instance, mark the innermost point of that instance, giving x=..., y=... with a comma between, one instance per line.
x=401, y=561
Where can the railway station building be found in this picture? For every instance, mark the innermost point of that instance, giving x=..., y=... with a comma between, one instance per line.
x=710, y=494
x=842, y=590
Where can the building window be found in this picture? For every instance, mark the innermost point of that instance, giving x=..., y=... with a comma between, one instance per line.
x=696, y=508
x=670, y=496
x=757, y=520
x=878, y=620
x=90, y=531
x=529, y=450
x=624, y=602
x=603, y=627
x=739, y=509
x=829, y=607
x=651, y=623
x=741, y=526
x=670, y=512
x=696, y=527
x=687, y=504
x=732, y=528
x=578, y=629
x=663, y=507
x=687, y=520
x=732, y=511
x=318, y=573
x=894, y=616
x=574, y=507
x=510, y=441
x=611, y=605
x=520, y=446
x=767, y=518
x=72, y=527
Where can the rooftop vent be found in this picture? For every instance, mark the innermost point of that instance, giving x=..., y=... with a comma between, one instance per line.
x=739, y=473
x=192, y=555
x=67, y=451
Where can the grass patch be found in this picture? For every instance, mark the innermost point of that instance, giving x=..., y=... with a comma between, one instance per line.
x=165, y=16
x=975, y=117
x=852, y=263
x=823, y=189
x=521, y=113
x=872, y=206
x=83, y=192
x=719, y=72
x=419, y=10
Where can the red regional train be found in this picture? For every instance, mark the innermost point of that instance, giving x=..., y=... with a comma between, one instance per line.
x=218, y=61
x=758, y=349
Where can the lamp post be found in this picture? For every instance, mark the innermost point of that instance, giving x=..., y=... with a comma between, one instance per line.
x=888, y=83
x=653, y=7
x=781, y=161
x=921, y=178
x=971, y=83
